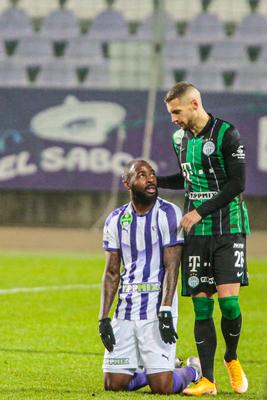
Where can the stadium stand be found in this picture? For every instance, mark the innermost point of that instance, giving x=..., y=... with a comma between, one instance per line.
x=3, y=55
x=180, y=54
x=205, y=78
x=98, y=77
x=4, y=4
x=57, y=73
x=12, y=74
x=252, y=30
x=33, y=51
x=86, y=9
x=102, y=37
x=108, y=25
x=251, y=80
x=206, y=29
x=230, y=11
x=181, y=11
x=134, y=11
x=14, y=24
x=60, y=25
x=38, y=9
x=147, y=27
x=262, y=59
x=262, y=8
x=134, y=72
x=82, y=51
x=228, y=55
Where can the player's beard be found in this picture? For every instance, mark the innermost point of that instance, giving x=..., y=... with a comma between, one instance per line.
x=143, y=197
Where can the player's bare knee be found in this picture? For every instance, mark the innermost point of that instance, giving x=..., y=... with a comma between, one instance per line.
x=115, y=384
x=161, y=386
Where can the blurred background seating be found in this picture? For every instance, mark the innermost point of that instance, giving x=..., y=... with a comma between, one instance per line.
x=121, y=38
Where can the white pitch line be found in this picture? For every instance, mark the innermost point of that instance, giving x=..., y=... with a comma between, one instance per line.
x=49, y=288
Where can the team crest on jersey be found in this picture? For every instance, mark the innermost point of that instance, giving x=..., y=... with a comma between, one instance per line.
x=126, y=219
x=193, y=281
x=208, y=148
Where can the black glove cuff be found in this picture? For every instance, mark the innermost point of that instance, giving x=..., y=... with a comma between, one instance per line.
x=104, y=319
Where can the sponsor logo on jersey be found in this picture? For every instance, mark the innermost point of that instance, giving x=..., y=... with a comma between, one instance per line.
x=208, y=148
x=126, y=219
x=201, y=195
x=240, y=153
x=193, y=281
x=116, y=361
x=143, y=287
x=206, y=279
x=238, y=245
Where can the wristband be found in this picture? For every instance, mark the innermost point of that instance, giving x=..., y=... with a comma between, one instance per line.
x=165, y=308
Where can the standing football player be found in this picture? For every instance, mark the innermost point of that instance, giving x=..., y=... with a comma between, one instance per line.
x=143, y=236
x=211, y=158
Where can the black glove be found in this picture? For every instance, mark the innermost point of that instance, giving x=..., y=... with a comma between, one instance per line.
x=166, y=328
x=106, y=333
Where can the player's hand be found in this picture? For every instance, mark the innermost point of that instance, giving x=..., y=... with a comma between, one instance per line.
x=189, y=220
x=106, y=334
x=166, y=328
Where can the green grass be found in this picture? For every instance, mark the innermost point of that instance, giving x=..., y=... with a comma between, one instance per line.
x=49, y=340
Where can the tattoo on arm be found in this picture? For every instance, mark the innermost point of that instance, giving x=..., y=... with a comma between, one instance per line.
x=110, y=282
x=172, y=259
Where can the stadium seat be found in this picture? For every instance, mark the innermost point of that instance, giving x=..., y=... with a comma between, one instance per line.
x=107, y=26
x=252, y=30
x=147, y=30
x=229, y=10
x=228, y=55
x=205, y=29
x=60, y=25
x=206, y=79
x=130, y=64
x=134, y=11
x=168, y=79
x=14, y=24
x=182, y=10
x=57, y=74
x=132, y=50
x=86, y=9
x=12, y=74
x=34, y=51
x=180, y=54
x=38, y=9
x=82, y=51
x=251, y=80
x=98, y=77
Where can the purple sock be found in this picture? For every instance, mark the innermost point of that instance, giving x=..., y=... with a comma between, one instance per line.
x=182, y=377
x=139, y=380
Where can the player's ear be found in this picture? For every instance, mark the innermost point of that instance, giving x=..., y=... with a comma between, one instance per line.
x=195, y=104
x=125, y=183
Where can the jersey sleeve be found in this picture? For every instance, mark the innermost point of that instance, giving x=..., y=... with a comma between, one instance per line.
x=234, y=161
x=232, y=147
x=170, y=226
x=110, y=234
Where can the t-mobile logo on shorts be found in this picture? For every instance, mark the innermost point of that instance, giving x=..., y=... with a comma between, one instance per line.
x=194, y=262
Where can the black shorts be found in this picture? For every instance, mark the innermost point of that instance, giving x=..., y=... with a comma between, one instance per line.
x=208, y=261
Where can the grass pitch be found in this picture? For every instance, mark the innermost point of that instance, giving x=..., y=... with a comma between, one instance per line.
x=49, y=333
